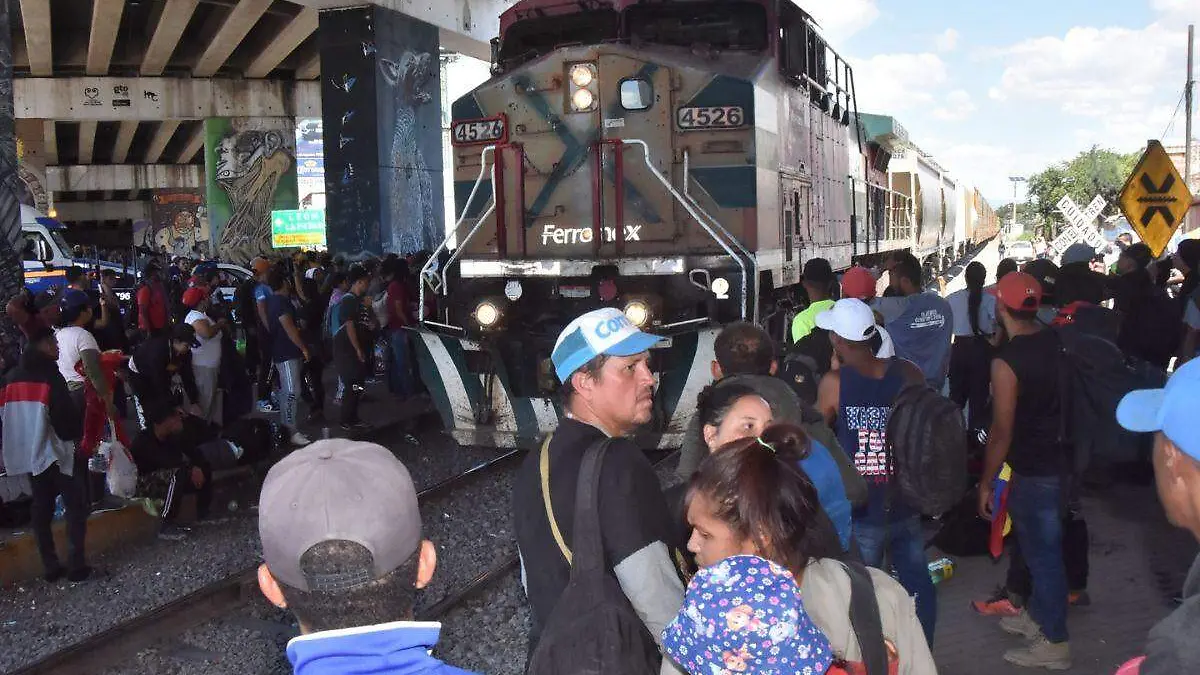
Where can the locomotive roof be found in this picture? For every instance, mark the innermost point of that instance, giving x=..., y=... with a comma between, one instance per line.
x=525, y=9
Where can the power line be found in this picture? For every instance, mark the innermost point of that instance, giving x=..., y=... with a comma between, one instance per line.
x=1178, y=106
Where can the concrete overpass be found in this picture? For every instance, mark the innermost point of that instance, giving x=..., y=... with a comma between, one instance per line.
x=110, y=95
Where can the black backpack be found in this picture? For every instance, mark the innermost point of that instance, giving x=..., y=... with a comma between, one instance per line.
x=927, y=450
x=1095, y=377
x=806, y=362
x=593, y=629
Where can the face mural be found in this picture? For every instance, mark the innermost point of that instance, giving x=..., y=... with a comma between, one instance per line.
x=250, y=165
x=412, y=79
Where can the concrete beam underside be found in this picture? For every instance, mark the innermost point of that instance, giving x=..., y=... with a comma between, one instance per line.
x=35, y=14
x=171, y=23
x=106, y=19
x=104, y=210
x=123, y=177
x=304, y=25
x=466, y=26
x=159, y=98
x=237, y=24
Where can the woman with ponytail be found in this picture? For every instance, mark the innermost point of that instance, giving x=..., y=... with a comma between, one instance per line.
x=751, y=497
x=970, y=356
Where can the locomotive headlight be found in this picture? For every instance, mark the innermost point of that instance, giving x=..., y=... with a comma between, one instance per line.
x=638, y=313
x=487, y=314
x=582, y=75
x=720, y=288
x=582, y=100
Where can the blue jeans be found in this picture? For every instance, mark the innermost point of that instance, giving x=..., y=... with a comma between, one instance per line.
x=1035, y=504
x=904, y=541
x=398, y=373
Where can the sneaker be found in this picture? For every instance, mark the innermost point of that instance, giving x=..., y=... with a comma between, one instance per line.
x=1020, y=624
x=1041, y=653
x=266, y=406
x=999, y=604
x=299, y=440
x=1079, y=599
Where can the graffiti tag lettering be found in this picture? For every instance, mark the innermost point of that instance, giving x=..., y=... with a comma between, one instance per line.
x=150, y=95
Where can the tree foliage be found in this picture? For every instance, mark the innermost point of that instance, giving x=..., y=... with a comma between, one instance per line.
x=1094, y=172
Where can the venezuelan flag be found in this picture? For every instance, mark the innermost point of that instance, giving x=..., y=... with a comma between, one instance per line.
x=1001, y=523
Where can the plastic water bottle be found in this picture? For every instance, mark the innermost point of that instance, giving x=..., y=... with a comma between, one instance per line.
x=941, y=570
x=98, y=462
x=60, y=508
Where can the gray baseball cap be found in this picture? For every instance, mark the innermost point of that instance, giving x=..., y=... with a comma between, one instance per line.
x=338, y=489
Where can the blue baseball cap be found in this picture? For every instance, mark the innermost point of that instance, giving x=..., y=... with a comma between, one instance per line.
x=603, y=331
x=1171, y=410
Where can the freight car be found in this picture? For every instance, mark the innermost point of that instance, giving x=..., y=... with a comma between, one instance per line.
x=677, y=159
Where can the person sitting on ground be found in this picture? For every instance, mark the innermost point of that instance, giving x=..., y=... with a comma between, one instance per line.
x=745, y=614
x=750, y=498
x=745, y=356
x=40, y=426
x=157, y=361
x=342, y=550
x=170, y=463
x=818, y=282
x=1170, y=414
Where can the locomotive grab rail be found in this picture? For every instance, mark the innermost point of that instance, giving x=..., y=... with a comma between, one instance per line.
x=439, y=285
x=694, y=210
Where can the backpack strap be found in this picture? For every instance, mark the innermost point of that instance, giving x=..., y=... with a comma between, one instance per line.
x=865, y=619
x=589, y=548
x=544, y=468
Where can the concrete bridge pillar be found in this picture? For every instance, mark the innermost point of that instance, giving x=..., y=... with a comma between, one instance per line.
x=381, y=111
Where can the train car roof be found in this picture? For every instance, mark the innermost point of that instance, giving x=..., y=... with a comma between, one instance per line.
x=526, y=9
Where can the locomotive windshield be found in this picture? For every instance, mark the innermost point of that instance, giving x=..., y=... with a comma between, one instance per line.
x=718, y=25
x=530, y=38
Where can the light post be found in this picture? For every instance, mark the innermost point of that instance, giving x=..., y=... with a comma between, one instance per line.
x=1016, y=180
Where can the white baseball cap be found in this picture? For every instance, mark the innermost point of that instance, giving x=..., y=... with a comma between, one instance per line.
x=850, y=318
x=602, y=331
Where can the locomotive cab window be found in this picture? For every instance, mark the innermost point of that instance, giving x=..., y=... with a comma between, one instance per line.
x=636, y=94
x=717, y=25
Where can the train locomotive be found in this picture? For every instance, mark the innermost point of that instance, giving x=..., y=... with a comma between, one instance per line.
x=677, y=159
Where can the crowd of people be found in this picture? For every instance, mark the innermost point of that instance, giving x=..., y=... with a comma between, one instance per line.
x=785, y=544
x=168, y=378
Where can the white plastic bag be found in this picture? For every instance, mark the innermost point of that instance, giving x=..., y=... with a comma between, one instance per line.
x=381, y=309
x=122, y=476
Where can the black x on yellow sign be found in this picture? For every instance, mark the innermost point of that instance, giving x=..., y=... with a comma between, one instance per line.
x=1155, y=198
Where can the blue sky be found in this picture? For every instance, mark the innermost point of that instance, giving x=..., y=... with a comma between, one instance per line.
x=993, y=89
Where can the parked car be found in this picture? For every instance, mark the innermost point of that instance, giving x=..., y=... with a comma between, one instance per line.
x=1020, y=251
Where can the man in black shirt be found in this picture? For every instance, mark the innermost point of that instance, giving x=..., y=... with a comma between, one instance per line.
x=1026, y=432
x=608, y=392
x=169, y=461
x=352, y=345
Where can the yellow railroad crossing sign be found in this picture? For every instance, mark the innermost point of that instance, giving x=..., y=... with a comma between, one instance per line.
x=1155, y=199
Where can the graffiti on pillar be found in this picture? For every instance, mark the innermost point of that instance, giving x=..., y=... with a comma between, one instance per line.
x=413, y=80
x=251, y=166
x=178, y=224
x=33, y=188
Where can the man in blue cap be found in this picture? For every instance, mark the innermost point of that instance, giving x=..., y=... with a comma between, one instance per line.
x=603, y=362
x=1170, y=413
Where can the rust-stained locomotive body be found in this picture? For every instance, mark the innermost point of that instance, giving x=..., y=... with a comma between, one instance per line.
x=679, y=160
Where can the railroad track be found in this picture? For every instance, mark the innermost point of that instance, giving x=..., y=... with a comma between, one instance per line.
x=121, y=642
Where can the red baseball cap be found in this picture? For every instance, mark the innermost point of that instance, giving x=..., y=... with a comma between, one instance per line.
x=194, y=296
x=858, y=282
x=1019, y=291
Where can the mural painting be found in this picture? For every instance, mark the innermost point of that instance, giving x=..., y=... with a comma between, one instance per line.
x=410, y=127
x=251, y=167
x=178, y=224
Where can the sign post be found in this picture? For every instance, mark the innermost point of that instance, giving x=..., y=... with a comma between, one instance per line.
x=1155, y=199
x=1081, y=224
x=298, y=228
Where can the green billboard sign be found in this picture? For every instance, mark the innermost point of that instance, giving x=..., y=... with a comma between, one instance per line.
x=298, y=228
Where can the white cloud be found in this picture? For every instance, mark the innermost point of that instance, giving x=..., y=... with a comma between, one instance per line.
x=1120, y=82
x=840, y=19
x=958, y=106
x=947, y=41
x=893, y=83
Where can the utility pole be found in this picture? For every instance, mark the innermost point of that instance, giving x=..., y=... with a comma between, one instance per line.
x=1187, y=133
